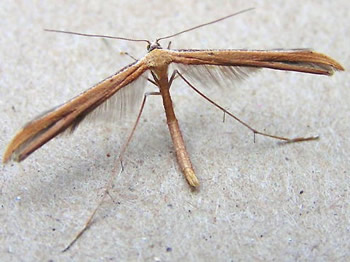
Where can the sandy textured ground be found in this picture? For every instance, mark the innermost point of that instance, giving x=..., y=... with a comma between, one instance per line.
x=257, y=201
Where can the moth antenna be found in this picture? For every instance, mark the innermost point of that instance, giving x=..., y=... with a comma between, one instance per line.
x=209, y=23
x=101, y=36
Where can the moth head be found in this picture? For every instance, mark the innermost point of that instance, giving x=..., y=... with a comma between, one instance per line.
x=154, y=45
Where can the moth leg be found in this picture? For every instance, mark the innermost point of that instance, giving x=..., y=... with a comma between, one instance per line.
x=256, y=132
x=113, y=175
x=172, y=77
x=127, y=54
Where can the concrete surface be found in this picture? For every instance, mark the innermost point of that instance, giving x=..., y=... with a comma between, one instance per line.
x=257, y=201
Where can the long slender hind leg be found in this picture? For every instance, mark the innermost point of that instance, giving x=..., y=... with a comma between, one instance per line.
x=256, y=132
x=113, y=175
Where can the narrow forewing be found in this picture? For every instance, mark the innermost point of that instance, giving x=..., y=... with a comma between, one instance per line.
x=300, y=60
x=48, y=125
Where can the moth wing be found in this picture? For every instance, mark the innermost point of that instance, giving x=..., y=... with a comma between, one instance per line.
x=213, y=75
x=69, y=115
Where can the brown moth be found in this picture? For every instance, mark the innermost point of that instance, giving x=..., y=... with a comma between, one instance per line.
x=210, y=64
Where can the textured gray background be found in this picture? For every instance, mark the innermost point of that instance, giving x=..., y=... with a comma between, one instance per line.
x=249, y=206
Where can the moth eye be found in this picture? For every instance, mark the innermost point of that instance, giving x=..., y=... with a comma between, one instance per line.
x=148, y=46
